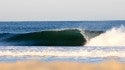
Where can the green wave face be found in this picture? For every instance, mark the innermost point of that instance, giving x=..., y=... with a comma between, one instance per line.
x=69, y=37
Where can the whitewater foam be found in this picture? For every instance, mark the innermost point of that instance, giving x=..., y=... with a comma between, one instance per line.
x=113, y=37
x=62, y=52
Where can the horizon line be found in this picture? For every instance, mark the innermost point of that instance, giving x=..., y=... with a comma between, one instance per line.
x=54, y=20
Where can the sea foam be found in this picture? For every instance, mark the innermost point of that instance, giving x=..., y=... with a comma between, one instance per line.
x=90, y=52
x=112, y=37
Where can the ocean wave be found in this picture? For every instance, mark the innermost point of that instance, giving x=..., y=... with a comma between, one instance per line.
x=66, y=37
x=70, y=37
x=113, y=38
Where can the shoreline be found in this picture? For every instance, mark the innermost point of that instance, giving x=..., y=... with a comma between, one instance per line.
x=37, y=65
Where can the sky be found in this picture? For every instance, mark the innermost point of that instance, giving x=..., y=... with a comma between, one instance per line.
x=61, y=10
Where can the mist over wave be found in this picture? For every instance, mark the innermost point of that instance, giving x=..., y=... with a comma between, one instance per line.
x=112, y=37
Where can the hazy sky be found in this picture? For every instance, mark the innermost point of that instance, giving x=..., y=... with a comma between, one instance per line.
x=62, y=10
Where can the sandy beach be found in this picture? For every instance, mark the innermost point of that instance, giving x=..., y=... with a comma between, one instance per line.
x=36, y=65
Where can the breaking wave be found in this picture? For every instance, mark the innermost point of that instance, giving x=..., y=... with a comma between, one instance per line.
x=66, y=37
x=112, y=37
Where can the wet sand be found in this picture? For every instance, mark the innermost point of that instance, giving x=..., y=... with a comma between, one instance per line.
x=36, y=65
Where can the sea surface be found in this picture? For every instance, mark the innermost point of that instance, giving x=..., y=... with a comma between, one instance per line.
x=77, y=41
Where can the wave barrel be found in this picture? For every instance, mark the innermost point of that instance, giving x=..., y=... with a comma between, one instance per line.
x=69, y=37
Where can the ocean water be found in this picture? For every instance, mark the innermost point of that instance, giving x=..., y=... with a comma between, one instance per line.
x=80, y=41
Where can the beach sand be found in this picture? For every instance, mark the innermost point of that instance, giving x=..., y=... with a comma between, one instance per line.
x=36, y=65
